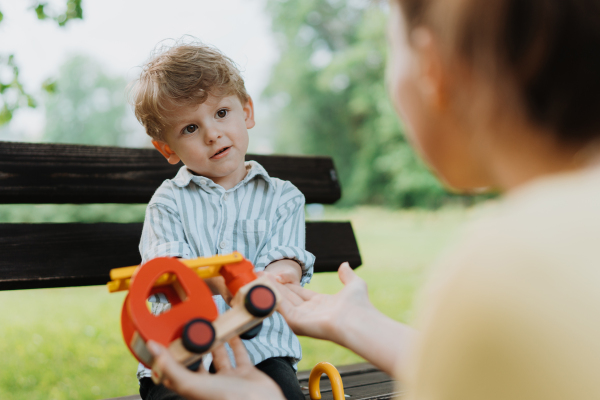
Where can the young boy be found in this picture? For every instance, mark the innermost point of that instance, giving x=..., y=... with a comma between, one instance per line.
x=192, y=101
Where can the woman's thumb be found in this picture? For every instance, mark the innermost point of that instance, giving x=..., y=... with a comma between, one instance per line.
x=165, y=365
x=345, y=273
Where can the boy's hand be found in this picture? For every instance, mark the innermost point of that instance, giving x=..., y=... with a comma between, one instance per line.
x=285, y=271
x=217, y=286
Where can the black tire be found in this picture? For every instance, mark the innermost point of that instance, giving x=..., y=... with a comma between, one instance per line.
x=252, y=332
x=198, y=335
x=260, y=301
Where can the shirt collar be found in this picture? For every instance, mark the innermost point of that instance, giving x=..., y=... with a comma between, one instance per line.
x=184, y=176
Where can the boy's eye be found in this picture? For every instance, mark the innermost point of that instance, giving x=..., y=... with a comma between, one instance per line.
x=222, y=113
x=190, y=129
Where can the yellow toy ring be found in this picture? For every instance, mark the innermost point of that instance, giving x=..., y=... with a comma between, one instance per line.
x=337, y=386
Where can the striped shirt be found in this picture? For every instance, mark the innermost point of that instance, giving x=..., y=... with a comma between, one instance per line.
x=262, y=217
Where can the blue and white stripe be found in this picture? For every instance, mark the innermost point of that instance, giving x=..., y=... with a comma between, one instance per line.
x=262, y=217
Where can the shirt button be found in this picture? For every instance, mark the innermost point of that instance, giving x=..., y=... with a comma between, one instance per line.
x=225, y=196
x=203, y=181
x=223, y=244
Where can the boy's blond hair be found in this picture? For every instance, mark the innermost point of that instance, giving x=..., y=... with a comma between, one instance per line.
x=182, y=75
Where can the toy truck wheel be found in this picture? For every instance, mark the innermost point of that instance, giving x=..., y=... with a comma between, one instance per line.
x=195, y=367
x=252, y=332
x=198, y=335
x=260, y=301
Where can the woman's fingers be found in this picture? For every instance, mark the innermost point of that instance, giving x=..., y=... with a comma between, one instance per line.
x=221, y=359
x=288, y=295
x=304, y=294
x=174, y=374
x=240, y=353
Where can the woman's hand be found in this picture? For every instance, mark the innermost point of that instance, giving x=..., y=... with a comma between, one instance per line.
x=242, y=382
x=324, y=316
x=348, y=318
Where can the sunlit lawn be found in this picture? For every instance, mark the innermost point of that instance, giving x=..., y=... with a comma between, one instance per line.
x=66, y=343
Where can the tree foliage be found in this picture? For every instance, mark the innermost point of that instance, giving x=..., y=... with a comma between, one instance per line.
x=12, y=93
x=329, y=97
x=88, y=105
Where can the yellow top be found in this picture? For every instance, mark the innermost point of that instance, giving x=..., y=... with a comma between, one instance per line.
x=205, y=267
x=514, y=312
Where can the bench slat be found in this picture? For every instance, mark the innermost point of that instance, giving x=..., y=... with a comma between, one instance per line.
x=44, y=173
x=361, y=381
x=59, y=255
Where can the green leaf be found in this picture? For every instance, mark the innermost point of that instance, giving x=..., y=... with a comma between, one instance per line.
x=5, y=115
x=1, y=16
x=31, y=102
x=39, y=10
x=49, y=85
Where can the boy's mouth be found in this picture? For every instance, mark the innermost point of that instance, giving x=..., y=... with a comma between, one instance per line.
x=221, y=153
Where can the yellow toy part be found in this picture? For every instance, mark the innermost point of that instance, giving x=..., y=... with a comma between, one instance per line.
x=337, y=387
x=205, y=267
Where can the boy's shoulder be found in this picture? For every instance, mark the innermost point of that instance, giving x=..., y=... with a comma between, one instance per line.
x=166, y=194
x=284, y=189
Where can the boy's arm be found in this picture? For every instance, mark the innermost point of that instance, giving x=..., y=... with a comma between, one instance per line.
x=284, y=253
x=163, y=234
x=286, y=271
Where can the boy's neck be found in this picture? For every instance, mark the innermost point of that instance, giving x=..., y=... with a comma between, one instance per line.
x=229, y=181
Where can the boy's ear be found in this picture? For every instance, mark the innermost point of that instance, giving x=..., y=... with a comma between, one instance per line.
x=166, y=151
x=249, y=113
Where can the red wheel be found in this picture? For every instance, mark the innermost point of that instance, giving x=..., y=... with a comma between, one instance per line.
x=260, y=301
x=198, y=335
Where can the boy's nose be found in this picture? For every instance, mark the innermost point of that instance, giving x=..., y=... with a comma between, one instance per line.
x=212, y=135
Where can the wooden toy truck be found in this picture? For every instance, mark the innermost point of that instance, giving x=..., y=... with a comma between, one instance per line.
x=192, y=327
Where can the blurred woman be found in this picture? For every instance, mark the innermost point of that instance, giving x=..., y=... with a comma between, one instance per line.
x=498, y=94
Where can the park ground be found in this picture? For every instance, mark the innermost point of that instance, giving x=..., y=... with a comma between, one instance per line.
x=66, y=344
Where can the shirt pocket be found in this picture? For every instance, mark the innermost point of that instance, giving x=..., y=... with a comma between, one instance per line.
x=251, y=235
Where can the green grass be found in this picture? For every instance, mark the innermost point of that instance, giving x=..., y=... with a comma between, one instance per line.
x=66, y=343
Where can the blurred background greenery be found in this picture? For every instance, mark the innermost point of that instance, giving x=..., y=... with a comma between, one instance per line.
x=325, y=94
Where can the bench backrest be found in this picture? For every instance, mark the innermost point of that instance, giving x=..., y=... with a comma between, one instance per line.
x=77, y=254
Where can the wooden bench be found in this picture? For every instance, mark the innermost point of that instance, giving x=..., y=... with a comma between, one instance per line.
x=46, y=255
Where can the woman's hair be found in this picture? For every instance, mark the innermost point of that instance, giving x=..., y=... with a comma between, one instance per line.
x=181, y=75
x=545, y=53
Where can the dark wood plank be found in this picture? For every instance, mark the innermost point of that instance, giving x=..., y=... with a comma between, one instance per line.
x=344, y=370
x=332, y=243
x=357, y=379
x=61, y=255
x=361, y=381
x=375, y=391
x=40, y=173
x=354, y=381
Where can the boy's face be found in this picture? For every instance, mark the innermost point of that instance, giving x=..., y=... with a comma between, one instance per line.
x=211, y=139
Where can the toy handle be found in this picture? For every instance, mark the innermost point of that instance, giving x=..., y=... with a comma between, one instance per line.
x=314, y=379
